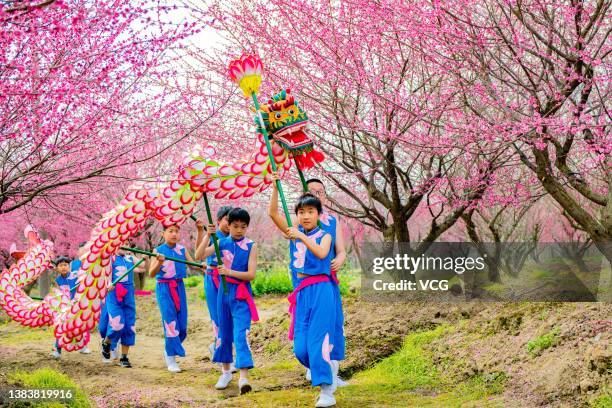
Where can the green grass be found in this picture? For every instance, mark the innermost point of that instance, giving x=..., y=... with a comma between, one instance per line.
x=48, y=378
x=194, y=280
x=602, y=401
x=150, y=284
x=276, y=281
x=542, y=274
x=409, y=368
x=537, y=345
x=410, y=378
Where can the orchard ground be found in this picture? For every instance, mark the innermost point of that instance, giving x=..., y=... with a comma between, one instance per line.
x=399, y=354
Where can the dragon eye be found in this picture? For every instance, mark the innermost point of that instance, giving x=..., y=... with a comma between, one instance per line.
x=277, y=115
x=291, y=111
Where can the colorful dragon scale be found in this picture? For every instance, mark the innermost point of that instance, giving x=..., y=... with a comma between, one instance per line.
x=17, y=304
x=172, y=204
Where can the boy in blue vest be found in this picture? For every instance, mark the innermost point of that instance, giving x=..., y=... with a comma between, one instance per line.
x=329, y=223
x=170, y=292
x=120, y=307
x=66, y=280
x=211, y=281
x=312, y=303
x=235, y=307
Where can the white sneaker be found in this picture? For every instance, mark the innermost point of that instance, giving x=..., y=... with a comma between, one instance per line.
x=308, y=375
x=85, y=350
x=56, y=354
x=244, y=386
x=335, y=367
x=224, y=379
x=173, y=367
x=114, y=355
x=341, y=382
x=233, y=368
x=326, y=398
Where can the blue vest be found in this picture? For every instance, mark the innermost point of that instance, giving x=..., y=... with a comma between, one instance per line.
x=235, y=254
x=68, y=282
x=212, y=260
x=121, y=265
x=75, y=265
x=305, y=262
x=171, y=269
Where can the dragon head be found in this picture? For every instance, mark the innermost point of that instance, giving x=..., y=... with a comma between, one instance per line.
x=286, y=123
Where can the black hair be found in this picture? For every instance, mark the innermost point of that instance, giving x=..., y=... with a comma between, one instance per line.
x=223, y=211
x=315, y=180
x=171, y=225
x=308, y=200
x=61, y=259
x=239, y=214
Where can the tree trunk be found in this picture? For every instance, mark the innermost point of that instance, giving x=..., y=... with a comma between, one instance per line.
x=44, y=282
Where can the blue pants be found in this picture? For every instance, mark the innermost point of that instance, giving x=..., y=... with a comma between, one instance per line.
x=174, y=322
x=121, y=317
x=103, y=323
x=211, y=302
x=315, y=320
x=337, y=352
x=234, y=325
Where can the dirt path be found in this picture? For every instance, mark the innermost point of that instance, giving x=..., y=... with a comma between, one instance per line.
x=480, y=358
x=148, y=382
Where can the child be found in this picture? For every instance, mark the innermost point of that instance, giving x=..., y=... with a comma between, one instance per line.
x=120, y=304
x=211, y=281
x=66, y=280
x=235, y=308
x=312, y=303
x=329, y=224
x=170, y=293
x=76, y=263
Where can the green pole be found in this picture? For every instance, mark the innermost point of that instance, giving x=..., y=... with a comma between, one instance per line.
x=272, y=162
x=215, y=241
x=169, y=258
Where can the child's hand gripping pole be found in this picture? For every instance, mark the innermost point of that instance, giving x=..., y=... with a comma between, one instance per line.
x=215, y=241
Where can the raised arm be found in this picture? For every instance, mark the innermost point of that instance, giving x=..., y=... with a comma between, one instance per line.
x=199, y=238
x=200, y=253
x=278, y=219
